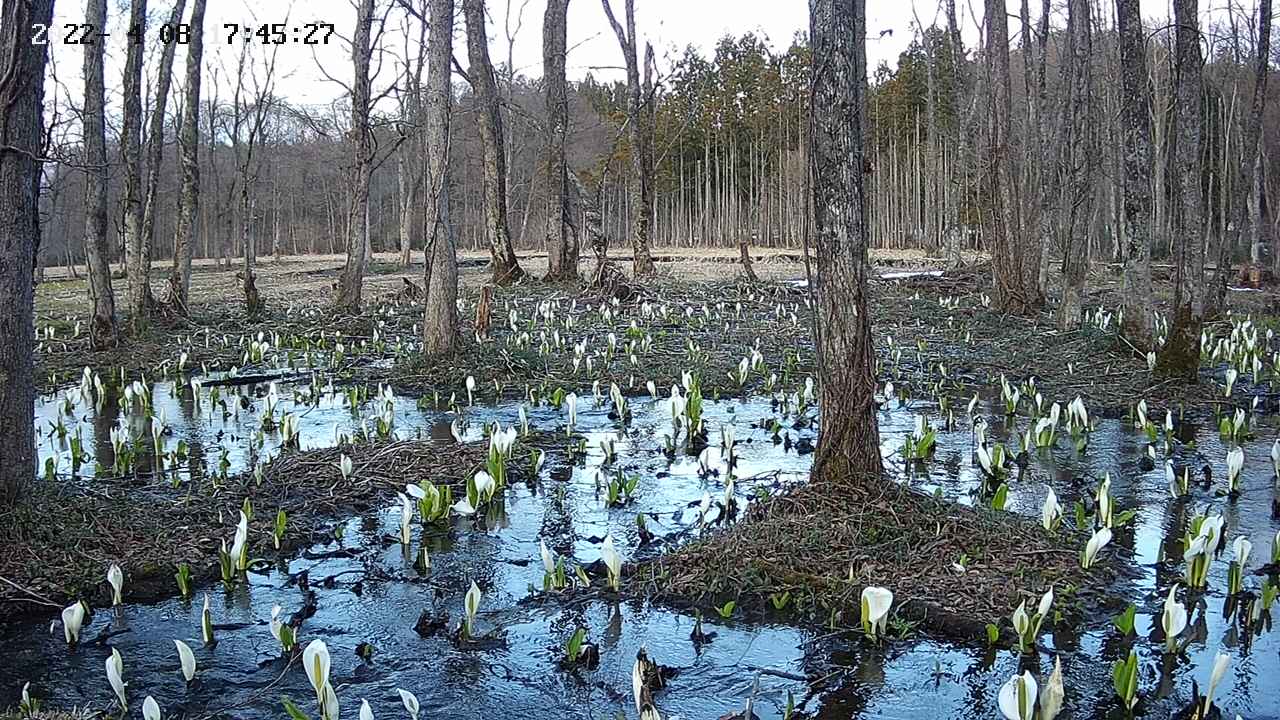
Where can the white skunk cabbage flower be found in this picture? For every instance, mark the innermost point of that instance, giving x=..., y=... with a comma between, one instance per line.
x=410, y=702
x=150, y=709
x=548, y=559
x=406, y=518
x=315, y=660
x=876, y=602
x=1095, y=544
x=1241, y=549
x=115, y=577
x=1220, y=664
x=612, y=562
x=366, y=712
x=1051, y=512
x=675, y=405
x=186, y=659
x=1017, y=697
x=239, y=551
x=1053, y=693
x=471, y=605
x=1275, y=457
x=330, y=710
x=464, y=507
x=115, y=676
x=1173, y=619
x=571, y=402
x=345, y=466
x=1235, y=463
x=72, y=619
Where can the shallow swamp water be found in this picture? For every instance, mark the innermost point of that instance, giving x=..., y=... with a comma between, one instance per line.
x=368, y=590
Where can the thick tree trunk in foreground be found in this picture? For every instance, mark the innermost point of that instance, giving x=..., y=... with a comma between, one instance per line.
x=1015, y=268
x=351, y=283
x=1244, y=187
x=102, y=326
x=440, y=315
x=502, y=256
x=131, y=158
x=1080, y=153
x=562, y=243
x=184, y=240
x=21, y=137
x=1180, y=356
x=155, y=150
x=1135, y=118
x=849, y=442
x=640, y=129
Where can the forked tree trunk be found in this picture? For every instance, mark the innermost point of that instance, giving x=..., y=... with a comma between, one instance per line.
x=562, y=243
x=849, y=442
x=22, y=64
x=1135, y=115
x=1080, y=152
x=502, y=256
x=184, y=240
x=639, y=119
x=1180, y=356
x=155, y=149
x=440, y=315
x=351, y=283
x=102, y=326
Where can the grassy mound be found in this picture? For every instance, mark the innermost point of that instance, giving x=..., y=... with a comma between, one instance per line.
x=821, y=544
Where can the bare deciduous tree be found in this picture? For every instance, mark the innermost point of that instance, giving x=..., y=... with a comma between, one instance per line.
x=502, y=256
x=1180, y=355
x=562, y=236
x=22, y=66
x=155, y=147
x=440, y=316
x=640, y=123
x=102, y=326
x=184, y=240
x=1135, y=113
x=849, y=444
x=351, y=283
x=131, y=158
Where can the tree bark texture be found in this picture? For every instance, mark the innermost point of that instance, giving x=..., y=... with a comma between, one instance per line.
x=184, y=240
x=502, y=255
x=440, y=315
x=102, y=325
x=22, y=66
x=137, y=268
x=849, y=442
x=562, y=242
x=640, y=130
x=360, y=137
x=1135, y=115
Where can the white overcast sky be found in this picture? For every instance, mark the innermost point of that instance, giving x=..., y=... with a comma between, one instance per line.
x=669, y=25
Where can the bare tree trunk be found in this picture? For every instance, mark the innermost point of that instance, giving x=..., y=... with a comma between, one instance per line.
x=1138, y=205
x=184, y=241
x=22, y=65
x=1080, y=154
x=849, y=443
x=1180, y=356
x=351, y=284
x=1015, y=271
x=155, y=149
x=502, y=256
x=1250, y=145
x=562, y=243
x=102, y=326
x=131, y=159
x=440, y=316
x=640, y=125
